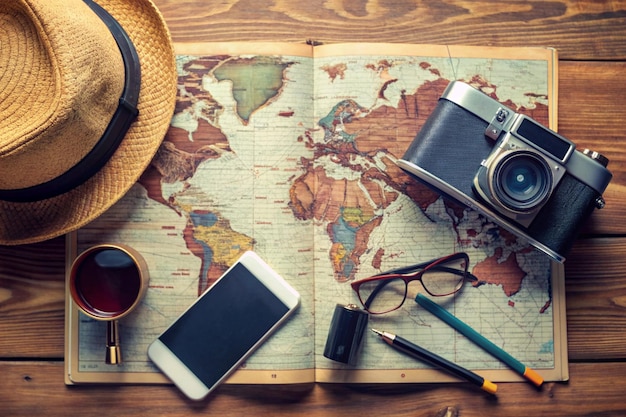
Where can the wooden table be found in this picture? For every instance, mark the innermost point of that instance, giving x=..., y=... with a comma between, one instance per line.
x=591, y=38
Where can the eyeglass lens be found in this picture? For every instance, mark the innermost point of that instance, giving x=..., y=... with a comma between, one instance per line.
x=387, y=294
x=445, y=278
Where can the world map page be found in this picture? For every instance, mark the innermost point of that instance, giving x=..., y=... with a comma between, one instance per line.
x=290, y=151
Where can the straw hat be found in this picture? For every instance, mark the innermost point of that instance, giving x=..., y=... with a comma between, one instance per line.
x=71, y=82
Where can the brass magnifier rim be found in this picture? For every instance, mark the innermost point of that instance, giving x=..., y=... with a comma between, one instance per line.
x=113, y=349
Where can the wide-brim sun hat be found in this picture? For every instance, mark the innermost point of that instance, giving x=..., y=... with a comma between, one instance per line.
x=87, y=92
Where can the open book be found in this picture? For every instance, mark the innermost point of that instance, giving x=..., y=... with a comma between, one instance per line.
x=289, y=150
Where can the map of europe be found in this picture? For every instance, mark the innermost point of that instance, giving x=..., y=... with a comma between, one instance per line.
x=294, y=158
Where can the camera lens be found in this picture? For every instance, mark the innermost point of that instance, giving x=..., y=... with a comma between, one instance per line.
x=522, y=181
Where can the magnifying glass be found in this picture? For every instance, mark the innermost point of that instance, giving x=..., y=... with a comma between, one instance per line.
x=107, y=282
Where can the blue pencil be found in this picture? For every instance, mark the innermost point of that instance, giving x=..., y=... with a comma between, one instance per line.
x=479, y=339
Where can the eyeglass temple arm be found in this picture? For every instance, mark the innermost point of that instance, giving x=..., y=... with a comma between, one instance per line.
x=413, y=268
x=406, y=269
x=468, y=276
x=376, y=290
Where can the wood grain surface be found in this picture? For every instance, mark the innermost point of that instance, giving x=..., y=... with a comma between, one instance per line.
x=591, y=39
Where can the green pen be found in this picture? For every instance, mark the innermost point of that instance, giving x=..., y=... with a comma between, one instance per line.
x=479, y=339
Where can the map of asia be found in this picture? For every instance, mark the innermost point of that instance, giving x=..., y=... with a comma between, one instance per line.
x=293, y=155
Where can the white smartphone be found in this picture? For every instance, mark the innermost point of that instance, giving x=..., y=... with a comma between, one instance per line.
x=224, y=326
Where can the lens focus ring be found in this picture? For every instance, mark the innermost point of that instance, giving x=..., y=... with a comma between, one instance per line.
x=522, y=181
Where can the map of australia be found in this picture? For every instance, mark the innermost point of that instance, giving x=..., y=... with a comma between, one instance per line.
x=295, y=157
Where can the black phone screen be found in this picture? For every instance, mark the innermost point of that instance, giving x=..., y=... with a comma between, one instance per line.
x=221, y=327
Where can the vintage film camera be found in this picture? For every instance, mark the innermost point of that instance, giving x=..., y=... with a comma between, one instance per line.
x=505, y=165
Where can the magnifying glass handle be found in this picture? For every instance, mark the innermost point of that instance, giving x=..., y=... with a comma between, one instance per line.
x=114, y=351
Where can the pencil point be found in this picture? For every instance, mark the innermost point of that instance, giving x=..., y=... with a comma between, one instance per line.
x=378, y=332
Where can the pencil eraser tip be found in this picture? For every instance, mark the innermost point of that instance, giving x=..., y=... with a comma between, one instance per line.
x=533, y=377
x=490, y=387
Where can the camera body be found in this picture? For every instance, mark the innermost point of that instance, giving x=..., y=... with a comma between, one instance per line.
x=519, y=174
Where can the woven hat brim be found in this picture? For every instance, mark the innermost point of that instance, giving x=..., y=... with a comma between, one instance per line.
x=22, y=223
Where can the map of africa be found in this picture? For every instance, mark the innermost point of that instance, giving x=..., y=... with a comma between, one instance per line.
x=294, y=158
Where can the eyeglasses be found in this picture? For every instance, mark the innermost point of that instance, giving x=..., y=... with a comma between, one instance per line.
x=387, y=291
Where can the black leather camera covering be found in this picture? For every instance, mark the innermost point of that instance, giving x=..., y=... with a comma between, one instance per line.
x=451, y=146
x=560, y=220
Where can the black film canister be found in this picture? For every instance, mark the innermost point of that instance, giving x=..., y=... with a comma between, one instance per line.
x=345, y=333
